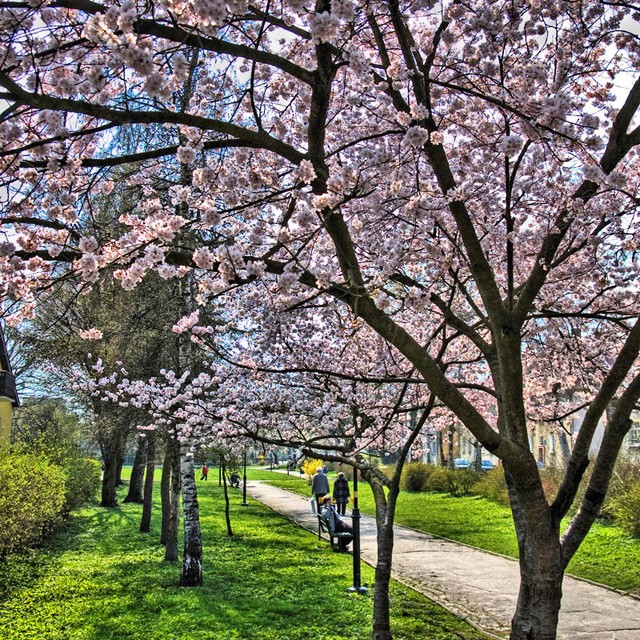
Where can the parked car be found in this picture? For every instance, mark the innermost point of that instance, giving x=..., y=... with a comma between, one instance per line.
x=487, y=465
x=461, y=463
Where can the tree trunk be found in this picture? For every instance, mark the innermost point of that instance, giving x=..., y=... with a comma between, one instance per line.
x=109, y=472
x=226, y=502
x=192, y=558
x=135, y=493
x=145, y=521
x=442, y=458
x=477, y=456
x=165, y=492
x=171, y=553
x=381, y=606
x=540, y=594
x=385, y=509
x=120, y=454
x=541, y=570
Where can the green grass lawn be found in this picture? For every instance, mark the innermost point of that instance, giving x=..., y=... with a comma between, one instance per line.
x=607, y=555
x=101, y=579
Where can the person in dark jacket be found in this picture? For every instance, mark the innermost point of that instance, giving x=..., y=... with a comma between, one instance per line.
x=319, y=487
x=341, y=493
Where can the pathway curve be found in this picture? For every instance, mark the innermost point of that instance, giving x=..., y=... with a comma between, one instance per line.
x=478, y=586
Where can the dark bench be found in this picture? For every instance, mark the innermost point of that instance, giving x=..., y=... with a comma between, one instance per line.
x=333, y=537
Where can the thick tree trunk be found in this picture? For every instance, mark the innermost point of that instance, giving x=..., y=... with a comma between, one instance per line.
x=172, y=552
x=136, y=483
x=192, y=557
x=109, y=472
x=109, y=498
x=385, y=509
x=541, y=570
x=119, y=465
x=381, y=605
x=145, y=521
x=541, y=574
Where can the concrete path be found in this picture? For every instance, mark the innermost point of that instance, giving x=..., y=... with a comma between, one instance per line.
x=479, y=587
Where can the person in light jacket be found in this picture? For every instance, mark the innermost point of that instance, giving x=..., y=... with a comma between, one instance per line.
x=319, y=487
x=335, y=524
x=341, y=493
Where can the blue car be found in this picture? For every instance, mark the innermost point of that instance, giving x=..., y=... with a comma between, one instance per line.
x=487, y=465
x=461, y=463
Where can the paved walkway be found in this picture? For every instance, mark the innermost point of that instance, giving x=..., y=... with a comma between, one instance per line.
x=477, y=586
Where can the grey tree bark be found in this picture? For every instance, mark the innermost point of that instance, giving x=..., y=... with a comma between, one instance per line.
x=227, y=515
x=192, y=554
x=147, y=506
x=136, y=483
x=165, y=488
x=171, y=553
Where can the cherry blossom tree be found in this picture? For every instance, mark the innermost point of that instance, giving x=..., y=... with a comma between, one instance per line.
x=466, y=164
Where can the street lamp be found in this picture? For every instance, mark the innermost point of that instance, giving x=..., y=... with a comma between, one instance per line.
x=244, y=502
x=355, y=519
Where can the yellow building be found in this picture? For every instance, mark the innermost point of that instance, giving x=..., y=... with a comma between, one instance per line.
x=8, y=394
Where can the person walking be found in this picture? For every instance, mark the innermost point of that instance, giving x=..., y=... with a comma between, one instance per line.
x=204, y=471
x=341, y=493
x=319, y=487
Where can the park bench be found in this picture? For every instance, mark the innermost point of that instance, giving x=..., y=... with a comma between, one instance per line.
x=334, y=536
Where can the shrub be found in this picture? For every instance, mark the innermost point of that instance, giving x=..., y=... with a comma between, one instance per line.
x=310, y=467
x=466, y=479
x=347, y=469
x=83, y=474
x=626, y=509
x=83, y=481
x=442, y=480
x=32, y=496
x=415, y=476
x=626, y=473
x=493, y=486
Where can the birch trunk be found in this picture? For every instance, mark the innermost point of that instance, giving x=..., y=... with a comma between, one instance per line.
x=192, y=557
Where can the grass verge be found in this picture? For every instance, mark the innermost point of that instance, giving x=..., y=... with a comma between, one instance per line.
x=100, y=579
x=607, y=555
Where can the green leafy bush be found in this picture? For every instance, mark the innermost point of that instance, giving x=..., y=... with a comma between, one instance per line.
x=626, y=474
x=415, y=476
x=83, y=481
x=493, y=486
x=466, y=479
x=32, y=497
x=626, y=509
x=455, y=482
x=443, y=480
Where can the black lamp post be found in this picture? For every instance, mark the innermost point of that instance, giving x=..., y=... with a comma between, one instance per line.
x=244, y=479
x=355, y=519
